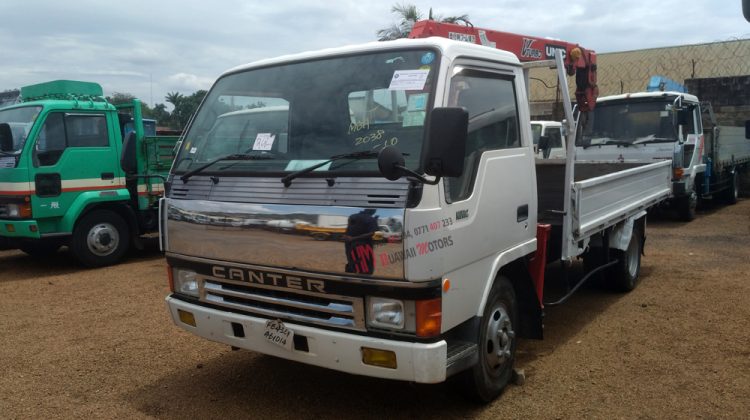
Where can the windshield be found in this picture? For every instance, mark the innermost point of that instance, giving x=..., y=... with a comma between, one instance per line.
x=296, y=115
x=20, y=121
x=536, y=132
x=630, y=123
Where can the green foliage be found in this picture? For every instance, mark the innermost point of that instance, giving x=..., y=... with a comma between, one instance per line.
x=408, y=14
x=183, y=107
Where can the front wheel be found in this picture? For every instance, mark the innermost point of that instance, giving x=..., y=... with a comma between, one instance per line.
x=100, y=238
x=686, y=207
x=496, y=344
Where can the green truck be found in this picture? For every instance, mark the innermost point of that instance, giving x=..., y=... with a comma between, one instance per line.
x=78, y=171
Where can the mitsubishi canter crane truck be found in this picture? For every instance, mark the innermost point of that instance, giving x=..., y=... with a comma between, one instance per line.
x=707, y=159
x=430, y=137
x=68, y=178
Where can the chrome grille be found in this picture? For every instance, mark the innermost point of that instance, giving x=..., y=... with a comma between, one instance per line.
x=346, y=191
x=280, y=302
x=3, y=210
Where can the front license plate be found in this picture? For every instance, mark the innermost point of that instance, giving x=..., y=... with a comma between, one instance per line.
x=277, y=333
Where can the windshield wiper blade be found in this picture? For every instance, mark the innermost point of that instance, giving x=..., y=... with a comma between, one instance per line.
x=236, y=156
x=287, y=180
x=655, y=140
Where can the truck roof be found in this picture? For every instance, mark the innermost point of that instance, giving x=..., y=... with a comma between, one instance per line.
x=687, y=96
x=448, y=48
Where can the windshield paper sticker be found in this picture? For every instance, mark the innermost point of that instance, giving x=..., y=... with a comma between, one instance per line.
x=296, y=165
x=264, y=141
x=408, y=80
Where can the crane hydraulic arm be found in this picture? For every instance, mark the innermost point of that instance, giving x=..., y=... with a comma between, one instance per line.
x=579, y=62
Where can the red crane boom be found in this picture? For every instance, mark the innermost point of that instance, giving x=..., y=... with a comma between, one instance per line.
x=579, y=62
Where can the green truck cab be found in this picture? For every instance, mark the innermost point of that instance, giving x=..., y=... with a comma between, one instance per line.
x=78, y=171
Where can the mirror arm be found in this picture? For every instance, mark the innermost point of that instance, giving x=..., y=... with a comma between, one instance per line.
x=421, y=178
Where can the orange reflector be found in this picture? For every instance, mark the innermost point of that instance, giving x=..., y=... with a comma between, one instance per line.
x=677, y=173
x=446, y=285
x=429, y=317
x=170, y=278
x=10, y=228
x=186, y=317
x=32, y=228
x=377, y=357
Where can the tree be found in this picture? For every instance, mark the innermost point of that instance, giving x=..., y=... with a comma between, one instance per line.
x=409, y=15
x=184, y=107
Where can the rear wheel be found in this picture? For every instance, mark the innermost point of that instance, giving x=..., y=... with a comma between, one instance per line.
x=733, y=192
x=100, y=238
x=628, y=267
x=496, y=344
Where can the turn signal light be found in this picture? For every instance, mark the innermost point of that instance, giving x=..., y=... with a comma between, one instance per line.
x=24, y=210
x=677, y=173
x=186, y=317
x=429, y=317
x=377, y=357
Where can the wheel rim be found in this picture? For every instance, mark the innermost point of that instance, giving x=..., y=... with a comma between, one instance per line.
x=499, y=340
x=103, y=239
x=632, y=256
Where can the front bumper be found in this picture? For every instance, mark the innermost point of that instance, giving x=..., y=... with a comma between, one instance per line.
x=417, y=362
x=11, y=228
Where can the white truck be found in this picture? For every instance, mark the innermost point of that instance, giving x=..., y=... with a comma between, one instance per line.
x=432, y=135
x=548, y=139
x=707, y=159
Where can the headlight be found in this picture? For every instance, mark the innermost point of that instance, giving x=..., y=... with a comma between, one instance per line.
x=18, y=211
x=392, y=314
x=185, y=282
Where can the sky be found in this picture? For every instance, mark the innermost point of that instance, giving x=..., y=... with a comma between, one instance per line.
x=151, y=48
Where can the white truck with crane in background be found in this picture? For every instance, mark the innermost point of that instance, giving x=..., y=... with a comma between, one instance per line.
x=433, y=135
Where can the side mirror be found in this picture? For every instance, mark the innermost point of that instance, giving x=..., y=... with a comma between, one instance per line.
x=446, y=142
x=6, y=138
x=545, y=146
x=390, y=163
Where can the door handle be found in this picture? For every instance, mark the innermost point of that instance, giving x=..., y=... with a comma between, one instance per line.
x=522, y=213
x=108, y=175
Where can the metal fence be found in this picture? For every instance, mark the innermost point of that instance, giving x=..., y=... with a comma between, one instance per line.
x=630, y=71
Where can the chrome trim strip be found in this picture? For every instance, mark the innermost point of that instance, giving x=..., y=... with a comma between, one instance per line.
x=214, y=287
x=370, y=281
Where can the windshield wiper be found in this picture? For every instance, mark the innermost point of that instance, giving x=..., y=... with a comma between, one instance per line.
x=655, y=140
x=287, y=180
x=236, y=156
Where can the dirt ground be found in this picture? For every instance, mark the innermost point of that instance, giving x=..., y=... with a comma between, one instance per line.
x=78, y=343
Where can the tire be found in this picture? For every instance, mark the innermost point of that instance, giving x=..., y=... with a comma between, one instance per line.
x=733, y=192
x=101, y=238
x=40, y=248
x=686, y=207
x=496, y=344
x=626, y=272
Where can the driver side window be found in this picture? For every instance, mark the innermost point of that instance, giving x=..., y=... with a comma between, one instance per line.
x=490, y=100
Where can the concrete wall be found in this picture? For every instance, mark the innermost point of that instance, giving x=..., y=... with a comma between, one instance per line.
x=729, y=96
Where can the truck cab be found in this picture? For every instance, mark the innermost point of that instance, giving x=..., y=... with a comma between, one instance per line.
x=62, y=181
x=650, y=126
x=429, y=137
x=548, y=139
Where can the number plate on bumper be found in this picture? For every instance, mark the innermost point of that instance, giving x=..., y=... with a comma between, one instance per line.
x=277, y=333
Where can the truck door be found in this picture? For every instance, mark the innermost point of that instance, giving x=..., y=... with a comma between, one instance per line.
x=73, y=154
x=497, y=188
